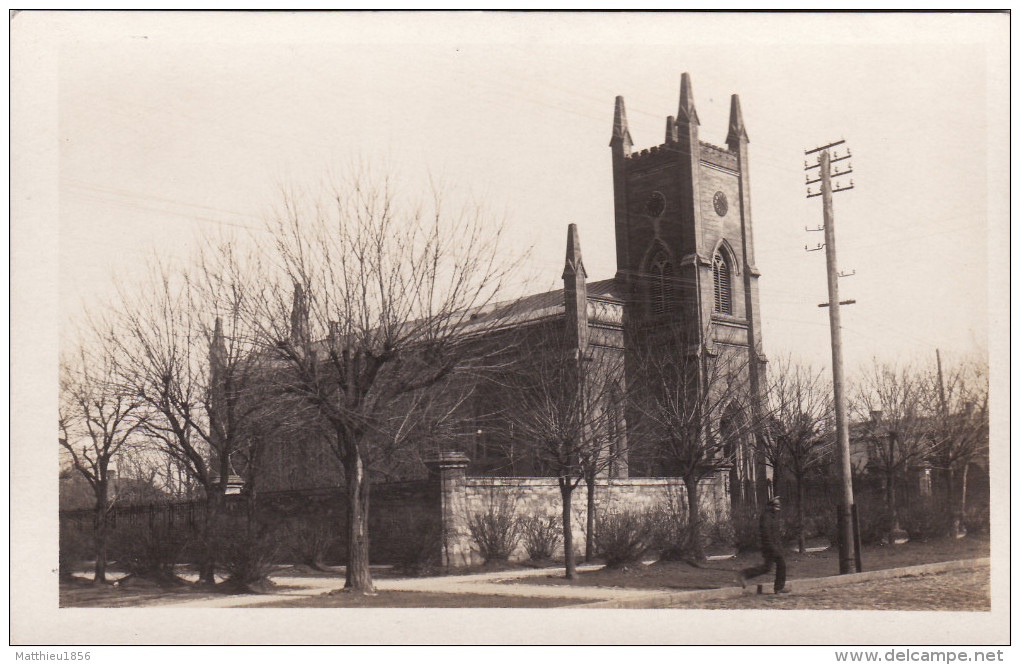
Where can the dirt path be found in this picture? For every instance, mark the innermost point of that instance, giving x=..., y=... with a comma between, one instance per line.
x=654, y=583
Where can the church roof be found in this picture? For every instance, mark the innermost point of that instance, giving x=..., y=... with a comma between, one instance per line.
x=538, y=306
x=528, y=309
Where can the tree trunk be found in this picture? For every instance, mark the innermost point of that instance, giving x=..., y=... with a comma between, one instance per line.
x=801, y=544
x=251, y=512
x=210, y=524
x=950, y=504
x=694, y=517
x=566, y=489
x=589, y=528
x=102, y=531
x=963, y=492
x=890, y=499
x=359, y=577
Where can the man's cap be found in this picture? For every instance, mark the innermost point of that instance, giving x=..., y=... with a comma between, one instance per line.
x=774, y=501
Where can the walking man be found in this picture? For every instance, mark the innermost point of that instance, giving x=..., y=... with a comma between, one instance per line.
x=771, y=548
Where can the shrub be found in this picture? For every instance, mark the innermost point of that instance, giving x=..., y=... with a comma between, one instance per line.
x=625, y=537
x=541, y=536
x=671, y=532
x=496, y=531
x=872, y=520
x=977, y=519
x=746, y=531
x=76, y=546
x=248, y=556
x=309, y=540
x=925, y=521
x=819, y=520
x=719, y=533
x=418, y=550
x=149, y=551
x=675, y=538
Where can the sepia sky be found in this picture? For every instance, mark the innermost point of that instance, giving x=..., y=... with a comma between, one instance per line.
x=171, y=125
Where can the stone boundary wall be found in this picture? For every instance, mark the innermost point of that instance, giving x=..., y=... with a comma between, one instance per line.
x=462, y=497
x=409, y=522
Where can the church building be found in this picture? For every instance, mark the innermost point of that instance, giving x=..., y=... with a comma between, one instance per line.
x=685, y=276
x=685, y=287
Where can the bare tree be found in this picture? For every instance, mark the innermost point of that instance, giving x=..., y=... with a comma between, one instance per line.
x=606, y=445
x=956, y=402
x=194, y=362
x=388, y=295
x=98, y=422
x=562, y=405
x=695, y=409
x=799, y=433
x=890, y=401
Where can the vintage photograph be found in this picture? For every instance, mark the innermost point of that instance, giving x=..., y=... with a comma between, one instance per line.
x=559, y=314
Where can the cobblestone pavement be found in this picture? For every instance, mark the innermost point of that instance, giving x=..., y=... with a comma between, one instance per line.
x=956, y=590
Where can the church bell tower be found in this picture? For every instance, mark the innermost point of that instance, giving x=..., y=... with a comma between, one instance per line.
x=684, y=246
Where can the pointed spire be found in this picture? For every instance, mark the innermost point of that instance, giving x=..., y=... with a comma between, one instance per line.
x=621, y=135
x=687, y=113
x=575, y=295
x=217, y=347
x=299, y=316
x=573, y=267
x=671, y=136
x=737, y=131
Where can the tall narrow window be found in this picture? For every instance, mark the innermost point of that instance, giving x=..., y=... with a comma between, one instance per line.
x=662, y=284
x=723, y=294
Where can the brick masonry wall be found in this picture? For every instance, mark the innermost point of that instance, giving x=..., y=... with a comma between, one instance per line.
x=468, y=496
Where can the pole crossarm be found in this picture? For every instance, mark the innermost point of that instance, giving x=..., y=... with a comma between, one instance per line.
x=825, y=147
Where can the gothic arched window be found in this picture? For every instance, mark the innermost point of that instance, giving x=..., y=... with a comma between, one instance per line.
x=723, y=291
x=662, y=284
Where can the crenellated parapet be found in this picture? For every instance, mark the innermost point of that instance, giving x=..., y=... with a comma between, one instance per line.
x=662, y=154
x=654, y=156
x=718, y=156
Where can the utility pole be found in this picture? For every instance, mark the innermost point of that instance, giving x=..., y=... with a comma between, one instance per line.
x=847, y=559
